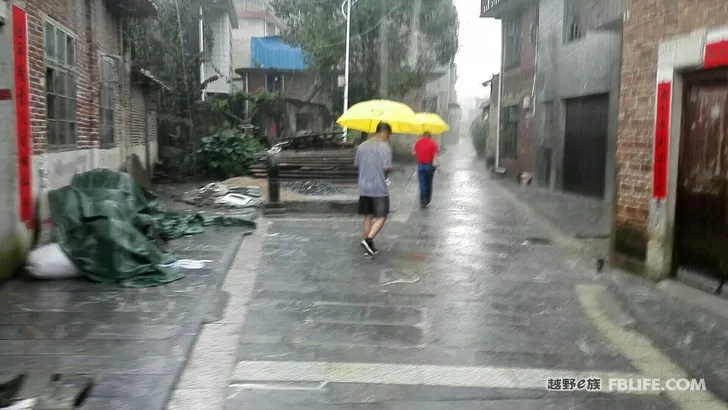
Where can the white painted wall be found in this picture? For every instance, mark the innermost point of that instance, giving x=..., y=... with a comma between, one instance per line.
x=444, y=89
x=60, y=167
x=56, y=169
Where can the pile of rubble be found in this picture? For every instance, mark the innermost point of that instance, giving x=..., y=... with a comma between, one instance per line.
x=220, y=195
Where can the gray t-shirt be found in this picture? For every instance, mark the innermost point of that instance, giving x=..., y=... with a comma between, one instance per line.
x=372, y=158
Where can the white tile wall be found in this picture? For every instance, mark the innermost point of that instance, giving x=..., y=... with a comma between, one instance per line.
x=221, y=53
x=248, y=28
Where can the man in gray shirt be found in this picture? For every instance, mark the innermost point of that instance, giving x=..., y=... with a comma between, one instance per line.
x=374, y=159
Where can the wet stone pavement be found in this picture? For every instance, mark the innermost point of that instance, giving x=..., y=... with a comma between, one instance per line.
x=134, y=342
x=466, y=307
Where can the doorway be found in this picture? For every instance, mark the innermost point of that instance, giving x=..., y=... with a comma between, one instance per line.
x=585, y=145
x=701, y=236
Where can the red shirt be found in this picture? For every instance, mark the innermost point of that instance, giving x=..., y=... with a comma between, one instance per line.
x=425, y=150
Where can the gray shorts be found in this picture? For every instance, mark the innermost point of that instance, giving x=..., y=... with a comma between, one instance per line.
x=377, y=206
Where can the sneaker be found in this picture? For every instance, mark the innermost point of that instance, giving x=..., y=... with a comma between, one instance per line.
x=368, y=245
x=371, y=244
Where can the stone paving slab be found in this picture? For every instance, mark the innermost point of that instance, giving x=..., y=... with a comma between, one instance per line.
x=694, y=337
x=351, y=396
x=580, y=216
x=469, y=283
x=134, y=341
x=472, y=285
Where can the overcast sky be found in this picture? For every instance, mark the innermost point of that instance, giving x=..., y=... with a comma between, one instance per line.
x=479, y=54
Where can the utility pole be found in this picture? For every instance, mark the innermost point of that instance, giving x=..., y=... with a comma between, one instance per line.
x=383, y=53
x=202, y=52
x=414, y=34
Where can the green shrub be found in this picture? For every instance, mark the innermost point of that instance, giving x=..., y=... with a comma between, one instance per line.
x=228, y=153
x=479, y=135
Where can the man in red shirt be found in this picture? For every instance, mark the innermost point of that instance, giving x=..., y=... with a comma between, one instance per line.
x=426, y=152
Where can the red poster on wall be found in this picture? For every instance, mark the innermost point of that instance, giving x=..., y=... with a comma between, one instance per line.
x=662, y=141
x=716, y=55
x=22, y=116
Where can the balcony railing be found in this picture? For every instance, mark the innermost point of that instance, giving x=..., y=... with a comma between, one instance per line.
x=498, y=8
x=131, y=8
x=487, y=5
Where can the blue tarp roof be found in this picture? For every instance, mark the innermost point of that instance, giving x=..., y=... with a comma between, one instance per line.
x=272, y=52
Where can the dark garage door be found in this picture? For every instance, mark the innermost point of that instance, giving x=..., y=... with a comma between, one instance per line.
x=585, y=145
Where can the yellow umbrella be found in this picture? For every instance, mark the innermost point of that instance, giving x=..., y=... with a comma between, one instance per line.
x=432, y=123
x=365, y=116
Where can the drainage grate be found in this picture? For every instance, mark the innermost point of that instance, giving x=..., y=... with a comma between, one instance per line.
x=534, y=241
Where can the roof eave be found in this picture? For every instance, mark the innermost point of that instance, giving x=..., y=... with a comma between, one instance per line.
x=147, y=77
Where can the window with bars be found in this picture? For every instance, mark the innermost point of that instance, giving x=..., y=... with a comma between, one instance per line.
x=107, y=94
x=573, y=30
x=509, y=132
x=513, y=40
x=60, y=87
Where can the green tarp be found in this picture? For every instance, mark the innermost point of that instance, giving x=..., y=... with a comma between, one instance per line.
x=105, y=222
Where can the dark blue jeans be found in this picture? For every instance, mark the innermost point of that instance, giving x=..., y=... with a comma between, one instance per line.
x=426, y=172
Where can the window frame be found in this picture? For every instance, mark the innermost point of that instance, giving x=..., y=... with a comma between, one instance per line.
x=61, y=100
x=429, y=104
x=282, y=82
x=107, y=92
x=510, y=116
x=573, y=28
x=266, y=26
x=304, y=121
x=513, y=40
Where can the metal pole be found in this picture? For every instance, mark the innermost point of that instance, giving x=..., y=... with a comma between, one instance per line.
x=346, y=63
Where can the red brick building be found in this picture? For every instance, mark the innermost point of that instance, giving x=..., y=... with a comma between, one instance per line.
x=519, y=22
x=69, y=100
x=88, y=108
x=672, y=154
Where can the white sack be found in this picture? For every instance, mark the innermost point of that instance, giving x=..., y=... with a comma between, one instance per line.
x=50, y=262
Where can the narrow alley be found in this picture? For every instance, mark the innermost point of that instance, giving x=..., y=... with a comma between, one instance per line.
x=468, y=306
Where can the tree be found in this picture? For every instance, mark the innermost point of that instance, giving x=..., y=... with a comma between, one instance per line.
x=319, y=29
x=479, y=133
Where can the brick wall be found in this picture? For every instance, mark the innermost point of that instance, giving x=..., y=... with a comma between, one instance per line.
x=297, y=85
x=647, y=22
x=95, y=32
x=518, y=83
